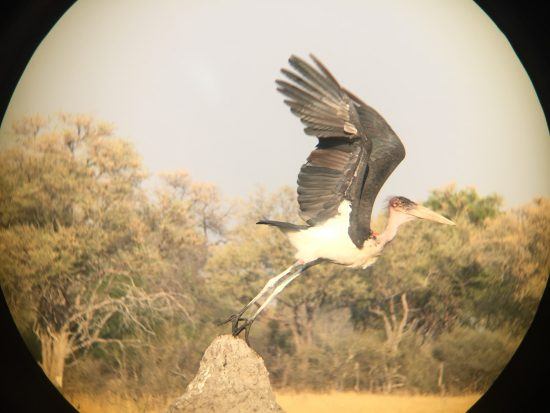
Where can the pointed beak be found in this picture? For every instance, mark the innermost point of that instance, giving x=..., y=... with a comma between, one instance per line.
x=424, y=213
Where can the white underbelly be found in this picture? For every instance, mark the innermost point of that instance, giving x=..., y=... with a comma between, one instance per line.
x=331, y=241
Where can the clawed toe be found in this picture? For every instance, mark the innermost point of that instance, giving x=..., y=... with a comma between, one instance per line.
x=234, y=319
x=244, y=326
x=237, y=329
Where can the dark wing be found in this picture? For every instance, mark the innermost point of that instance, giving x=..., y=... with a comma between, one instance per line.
x=328, y=112
x=356, y=153
x=386, y=153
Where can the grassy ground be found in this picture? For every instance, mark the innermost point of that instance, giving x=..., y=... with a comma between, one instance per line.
x=114, y=404
x=351, y=402
x=348, y=402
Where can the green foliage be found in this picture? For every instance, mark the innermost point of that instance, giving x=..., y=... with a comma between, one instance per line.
x=465, y=203
x=88, y=259
x=432, y=264
x=473, y=358
x=419, y=365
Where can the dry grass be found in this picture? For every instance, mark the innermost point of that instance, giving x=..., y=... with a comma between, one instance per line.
x=109, y=403
x=348, y=402
x=351, y=402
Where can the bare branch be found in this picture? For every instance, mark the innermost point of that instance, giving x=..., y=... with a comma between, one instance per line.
x=405, y=317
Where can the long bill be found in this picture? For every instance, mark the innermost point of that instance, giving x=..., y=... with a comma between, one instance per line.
x=425, y=213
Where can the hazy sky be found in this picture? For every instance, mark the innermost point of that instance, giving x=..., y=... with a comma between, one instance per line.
x=192, y=84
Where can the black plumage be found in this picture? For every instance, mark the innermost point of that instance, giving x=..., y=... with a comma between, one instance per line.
x=356, y=152
x=283, y=226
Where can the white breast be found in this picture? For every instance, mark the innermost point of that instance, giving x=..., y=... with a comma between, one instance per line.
x=331, y=241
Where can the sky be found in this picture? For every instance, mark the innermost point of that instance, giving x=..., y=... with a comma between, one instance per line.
x=191, y=83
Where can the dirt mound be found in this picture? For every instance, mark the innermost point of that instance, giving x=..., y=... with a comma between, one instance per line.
x=232, y=378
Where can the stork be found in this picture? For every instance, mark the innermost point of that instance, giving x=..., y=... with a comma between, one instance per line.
x=356, y=152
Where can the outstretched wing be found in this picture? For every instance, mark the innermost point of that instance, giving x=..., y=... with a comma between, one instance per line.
x=327, y=111
x=356, y=153
x=386, y=153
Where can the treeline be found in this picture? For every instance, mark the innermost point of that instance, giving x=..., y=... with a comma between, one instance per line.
x=118, y=286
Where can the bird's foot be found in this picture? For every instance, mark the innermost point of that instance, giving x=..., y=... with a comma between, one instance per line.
x=244, y=326
x=237, y=329
x=234, y=319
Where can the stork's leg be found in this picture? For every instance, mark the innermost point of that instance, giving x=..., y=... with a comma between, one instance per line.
x=272, y=282
x=248, y=322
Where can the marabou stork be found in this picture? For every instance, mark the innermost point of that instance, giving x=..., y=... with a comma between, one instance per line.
x=337, y=186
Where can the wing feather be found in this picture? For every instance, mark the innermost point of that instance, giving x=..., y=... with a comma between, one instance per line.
x=387, y=151
x=328, y=113
x=356, y=152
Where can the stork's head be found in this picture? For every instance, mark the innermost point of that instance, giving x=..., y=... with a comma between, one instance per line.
x=408, y=210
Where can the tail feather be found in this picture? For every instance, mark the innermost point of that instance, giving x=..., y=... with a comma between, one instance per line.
x=283, y=226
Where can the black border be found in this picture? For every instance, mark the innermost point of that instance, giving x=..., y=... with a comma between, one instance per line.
x=521, y=385
x=23, y=385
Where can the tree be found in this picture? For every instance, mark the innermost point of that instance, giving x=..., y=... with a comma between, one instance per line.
x=514, y=250
x=206, y=204
x=177, y=231
x=427, y=280
x=465, y=203
x=473, y=358
x=72, y=240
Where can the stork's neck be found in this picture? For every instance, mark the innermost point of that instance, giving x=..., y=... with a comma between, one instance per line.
x=395, y=220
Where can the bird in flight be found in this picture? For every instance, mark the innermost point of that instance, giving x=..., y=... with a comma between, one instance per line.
x=356, y=153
